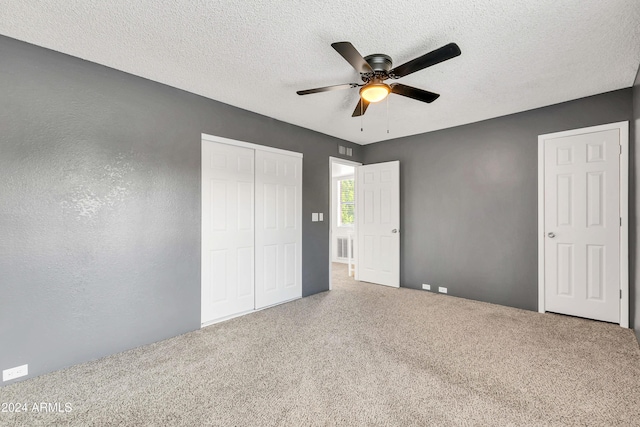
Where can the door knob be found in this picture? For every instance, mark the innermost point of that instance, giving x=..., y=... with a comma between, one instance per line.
x=551, y=235
x=395, y=230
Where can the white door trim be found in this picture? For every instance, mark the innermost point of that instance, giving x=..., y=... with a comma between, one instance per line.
x=249, y=145
x=623, y=128
x=333, y=160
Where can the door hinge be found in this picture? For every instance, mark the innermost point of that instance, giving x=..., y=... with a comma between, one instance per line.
x=620, y=148
x=620, y=293
x=620, y=221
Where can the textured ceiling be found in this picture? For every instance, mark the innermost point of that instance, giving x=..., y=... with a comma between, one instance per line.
x=516, y=55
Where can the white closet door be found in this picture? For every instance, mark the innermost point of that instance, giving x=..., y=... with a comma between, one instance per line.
x=227, y=230
x=278, y=228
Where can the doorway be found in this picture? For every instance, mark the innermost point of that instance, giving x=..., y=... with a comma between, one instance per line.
x=342, y=216
x=583, y=223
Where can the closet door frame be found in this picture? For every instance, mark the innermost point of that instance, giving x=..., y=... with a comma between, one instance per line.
x=258, y=147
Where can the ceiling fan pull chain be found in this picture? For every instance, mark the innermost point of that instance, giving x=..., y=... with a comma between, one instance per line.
x=361, y=114
x=387, y=114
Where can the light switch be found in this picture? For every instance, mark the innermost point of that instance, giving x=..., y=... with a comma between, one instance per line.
x=321, y=216
x=314, y=217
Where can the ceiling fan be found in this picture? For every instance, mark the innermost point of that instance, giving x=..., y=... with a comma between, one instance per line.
x=375, y=69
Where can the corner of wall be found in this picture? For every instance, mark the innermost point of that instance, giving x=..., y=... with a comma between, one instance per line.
x=634, y=139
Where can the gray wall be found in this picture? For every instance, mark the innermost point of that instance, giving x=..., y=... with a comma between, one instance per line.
x=100, y=205
x=634, y=238
x=469, y=199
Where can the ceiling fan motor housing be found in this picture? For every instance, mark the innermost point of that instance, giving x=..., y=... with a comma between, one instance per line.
x=381, y=65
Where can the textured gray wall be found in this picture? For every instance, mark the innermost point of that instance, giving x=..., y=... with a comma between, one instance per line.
x=634, y=207
x=100, y=205
x=469, y=199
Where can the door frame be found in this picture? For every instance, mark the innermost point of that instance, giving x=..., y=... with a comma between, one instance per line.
x=623, y=128
x=244, y=144
x=346, y=162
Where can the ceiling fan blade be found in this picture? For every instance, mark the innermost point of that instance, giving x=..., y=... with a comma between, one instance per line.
x=352, y=56
x=327, y=88
x=361, y=108
x=427, y=60
x=414, y=93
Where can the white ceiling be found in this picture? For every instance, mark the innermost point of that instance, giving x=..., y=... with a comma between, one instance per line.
x=516, y=55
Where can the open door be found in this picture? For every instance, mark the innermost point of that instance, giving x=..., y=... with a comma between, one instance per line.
x=378, y=223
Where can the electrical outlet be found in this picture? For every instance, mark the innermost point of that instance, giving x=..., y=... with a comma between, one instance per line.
x=426, y=287
x=13, y=373
x=442, y=289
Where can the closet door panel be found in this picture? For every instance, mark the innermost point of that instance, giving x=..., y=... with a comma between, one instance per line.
x=278, y=233
x=228, y=252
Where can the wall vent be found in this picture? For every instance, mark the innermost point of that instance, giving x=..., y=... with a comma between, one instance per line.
x=345, y=151
x=343, y=247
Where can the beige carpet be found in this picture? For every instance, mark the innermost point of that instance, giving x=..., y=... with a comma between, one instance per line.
x=364, y=355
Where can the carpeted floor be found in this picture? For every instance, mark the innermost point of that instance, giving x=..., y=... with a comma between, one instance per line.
x=361, y=354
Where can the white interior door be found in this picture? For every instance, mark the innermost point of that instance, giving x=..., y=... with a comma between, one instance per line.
x=582, y=225
x=378, y=223
x=278, y=228
x=227, y=230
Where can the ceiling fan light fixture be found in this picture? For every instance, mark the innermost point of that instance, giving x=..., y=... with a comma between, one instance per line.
x=375, y=92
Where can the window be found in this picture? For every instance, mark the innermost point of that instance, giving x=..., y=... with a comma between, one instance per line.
x=346, y=192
